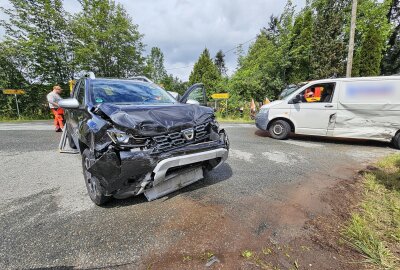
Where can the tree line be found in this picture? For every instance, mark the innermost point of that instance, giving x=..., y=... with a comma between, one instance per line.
x=45, y=45
x=311, y=44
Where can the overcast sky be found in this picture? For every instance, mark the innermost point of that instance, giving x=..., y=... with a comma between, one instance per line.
x=183, y=28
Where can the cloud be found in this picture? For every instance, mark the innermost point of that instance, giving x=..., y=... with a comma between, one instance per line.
x=183, y=28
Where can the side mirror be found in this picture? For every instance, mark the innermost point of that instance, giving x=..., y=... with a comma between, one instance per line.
x=69, y=103
x=296, y=99
x=192, y=101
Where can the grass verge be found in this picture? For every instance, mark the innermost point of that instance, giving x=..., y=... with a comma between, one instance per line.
x=22, y=119
x=374, y=229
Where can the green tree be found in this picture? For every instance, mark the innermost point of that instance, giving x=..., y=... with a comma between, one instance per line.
x=206, y=72
x=174, y=84
x=391, y=60
x=39, y=34
x=106, y=40
x=258, y=75
x=329, y=47
x=219, y=62
x=372, y=32
x=301, y=47
x=155, y=65
x=265, y=70
x=10, y=77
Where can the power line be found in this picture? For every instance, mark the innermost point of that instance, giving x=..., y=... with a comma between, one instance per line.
x=225, y=52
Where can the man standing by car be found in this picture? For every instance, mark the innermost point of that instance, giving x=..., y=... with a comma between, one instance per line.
x=53, y=98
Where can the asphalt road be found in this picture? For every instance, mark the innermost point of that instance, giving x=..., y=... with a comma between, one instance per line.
x=47, y=219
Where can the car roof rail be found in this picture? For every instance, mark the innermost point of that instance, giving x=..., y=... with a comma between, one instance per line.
x=90, y=75
x=141, y=78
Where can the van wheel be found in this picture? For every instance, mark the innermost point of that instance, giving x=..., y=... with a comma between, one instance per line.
x=279, y=129
x=93, y=186
x=396, y=141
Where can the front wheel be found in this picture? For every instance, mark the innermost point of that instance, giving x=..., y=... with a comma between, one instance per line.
x=95, y=190
x=279, y=129
x=396, y=141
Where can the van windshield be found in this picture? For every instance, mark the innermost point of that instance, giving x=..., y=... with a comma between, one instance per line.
x=128, y=92
x=288, y=90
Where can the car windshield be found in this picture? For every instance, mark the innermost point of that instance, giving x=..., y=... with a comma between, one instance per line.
x=128, y=92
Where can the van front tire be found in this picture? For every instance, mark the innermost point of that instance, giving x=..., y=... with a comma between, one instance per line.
x=396, y=141
x=279, y=129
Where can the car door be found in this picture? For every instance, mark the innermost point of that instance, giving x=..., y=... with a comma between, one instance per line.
x=76, y=115
x=315, y=109
x=196, y=94
x=70, y=114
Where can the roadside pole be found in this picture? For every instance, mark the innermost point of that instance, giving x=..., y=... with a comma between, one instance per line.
x=351, y=41
x=16, y=102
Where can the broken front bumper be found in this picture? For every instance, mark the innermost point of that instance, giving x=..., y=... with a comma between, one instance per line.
x=132, y=172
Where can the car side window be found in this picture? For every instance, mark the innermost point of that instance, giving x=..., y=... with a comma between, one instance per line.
x=197, y=95
x=318, y=93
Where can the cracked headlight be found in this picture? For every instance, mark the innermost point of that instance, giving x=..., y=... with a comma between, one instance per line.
x=118, y=136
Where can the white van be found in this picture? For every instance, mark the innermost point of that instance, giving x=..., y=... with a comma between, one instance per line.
x=362, y=108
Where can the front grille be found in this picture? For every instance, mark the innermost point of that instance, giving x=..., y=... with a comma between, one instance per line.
x=172, y=140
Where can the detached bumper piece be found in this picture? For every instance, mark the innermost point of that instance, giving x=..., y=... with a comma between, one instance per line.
x=163, y=184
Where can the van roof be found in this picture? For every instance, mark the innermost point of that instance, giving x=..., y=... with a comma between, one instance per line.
x=355, y=79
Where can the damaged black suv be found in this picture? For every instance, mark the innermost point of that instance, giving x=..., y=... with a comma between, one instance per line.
x=134, y=137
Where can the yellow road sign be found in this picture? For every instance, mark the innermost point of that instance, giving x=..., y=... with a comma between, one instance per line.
x=13, y=92
x=220, y=96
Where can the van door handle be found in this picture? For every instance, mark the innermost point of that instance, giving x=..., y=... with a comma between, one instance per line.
x=328, y=106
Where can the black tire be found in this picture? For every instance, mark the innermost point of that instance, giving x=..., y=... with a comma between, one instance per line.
x=279, y=129
x=93, y=186
x=396, y=141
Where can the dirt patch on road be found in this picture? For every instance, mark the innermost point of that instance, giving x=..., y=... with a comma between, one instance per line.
x=298, y=229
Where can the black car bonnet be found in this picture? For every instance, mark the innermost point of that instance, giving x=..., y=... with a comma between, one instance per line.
x=150, y=120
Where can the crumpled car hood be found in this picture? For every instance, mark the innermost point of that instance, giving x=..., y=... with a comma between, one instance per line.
x=151, y=120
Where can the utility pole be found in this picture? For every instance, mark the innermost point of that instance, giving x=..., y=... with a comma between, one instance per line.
x=351, y=41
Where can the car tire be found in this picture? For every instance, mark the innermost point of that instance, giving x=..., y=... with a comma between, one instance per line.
x=279, y=129
x=93, y=186
x=396, y=141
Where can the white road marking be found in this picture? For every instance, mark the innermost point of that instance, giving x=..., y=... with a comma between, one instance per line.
x=237, y=154
x=284, y=158
x=304, y=144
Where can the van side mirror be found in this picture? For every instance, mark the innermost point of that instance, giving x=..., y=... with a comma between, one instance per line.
x=296, y=99
x=69, y=103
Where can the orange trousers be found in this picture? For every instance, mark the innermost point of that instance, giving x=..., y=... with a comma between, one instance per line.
x=58, y=117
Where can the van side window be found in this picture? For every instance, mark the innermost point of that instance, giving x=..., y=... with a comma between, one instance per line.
x=322, y=93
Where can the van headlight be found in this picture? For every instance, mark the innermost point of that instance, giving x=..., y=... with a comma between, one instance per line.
x=118, y=136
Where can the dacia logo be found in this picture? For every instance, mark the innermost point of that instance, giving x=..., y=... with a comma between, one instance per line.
x=188, y=134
